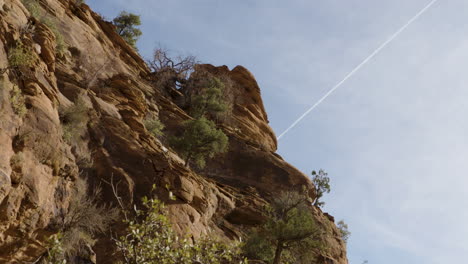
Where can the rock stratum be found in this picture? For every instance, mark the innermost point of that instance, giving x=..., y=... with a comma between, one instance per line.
x=38, y=168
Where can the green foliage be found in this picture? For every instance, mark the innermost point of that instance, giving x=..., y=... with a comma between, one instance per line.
x=322, y=185
x=154, y=126
x=36, y=12
x=150, y=239
x=17, y=101
x=210, y=101
x=201, y=139
x=55, y=252
x=33, y=7
x=74, y=120
x=21, y=56
x=343, y=228
x=79, y=2
x=289, y=233
x=60, y=45
x=125, y=26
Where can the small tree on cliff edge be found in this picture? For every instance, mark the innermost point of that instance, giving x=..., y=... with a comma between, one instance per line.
x=201, y=139
x=125, y=26
x=322, y=185
x=289, y=233
x=210, y=101
x=344, y=232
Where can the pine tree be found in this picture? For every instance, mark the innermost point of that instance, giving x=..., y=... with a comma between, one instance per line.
x=290, y=231
x=210, y=101
x=201, y=139
x=125, y=26
x=322, y=186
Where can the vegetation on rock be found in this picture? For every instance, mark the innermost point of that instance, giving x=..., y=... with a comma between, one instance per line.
x=149, y=239
x=35, y=11
x=344, y=232
x=290, y=235
x=78, y=227
x=60, y=45
x=322, y=185
x=170, y=72
x=74, y=119
x=21, y=56
x=125, y=24
x=17, y=101
x=200, y=140
x=33, y=7
x=154, y=126
x=210, y=100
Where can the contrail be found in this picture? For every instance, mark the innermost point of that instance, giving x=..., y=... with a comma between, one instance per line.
x=396, y=34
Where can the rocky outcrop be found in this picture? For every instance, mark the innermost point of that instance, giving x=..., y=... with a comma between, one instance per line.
x=249, y=118
x=38, y=168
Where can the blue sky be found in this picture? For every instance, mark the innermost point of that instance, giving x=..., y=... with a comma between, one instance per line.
x=393, y=138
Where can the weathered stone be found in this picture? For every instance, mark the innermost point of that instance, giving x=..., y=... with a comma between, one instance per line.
x=221, y=200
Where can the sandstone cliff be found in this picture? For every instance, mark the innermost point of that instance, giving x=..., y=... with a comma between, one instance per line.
x=38, y=168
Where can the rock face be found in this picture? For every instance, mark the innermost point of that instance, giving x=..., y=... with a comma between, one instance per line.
x=38, y=168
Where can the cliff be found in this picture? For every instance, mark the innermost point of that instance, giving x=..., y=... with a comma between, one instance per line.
x=38, y=168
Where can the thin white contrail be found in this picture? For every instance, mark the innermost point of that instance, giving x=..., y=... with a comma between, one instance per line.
x=396, y=34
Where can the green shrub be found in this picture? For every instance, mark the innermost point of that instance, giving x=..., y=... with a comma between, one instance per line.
x=55, y=252
x=36, y=12
x=17, y=101
x=149, y=238
x=21, y=56
x=74, y=120
x=200, y=140
x=61, y=46
x=154, y=126
x=33, y=7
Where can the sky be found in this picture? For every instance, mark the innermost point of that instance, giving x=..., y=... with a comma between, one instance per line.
x=393, y=138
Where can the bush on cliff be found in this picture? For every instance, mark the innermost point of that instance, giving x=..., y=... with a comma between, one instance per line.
x=17, y=101
x=74, y=119
x=21, y=56
x=149, y=238
x=154, y=127
x=35, y=11
x=200, y=140
x=85, y=218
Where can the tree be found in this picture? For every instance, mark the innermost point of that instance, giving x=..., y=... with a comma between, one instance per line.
x=170, y=72
x=154, y=126
x=290, y=230
x=149, y=239
x=322, y=185
x=125, y=24
x=200, y=139
x=209, y=100
x=343, y=228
